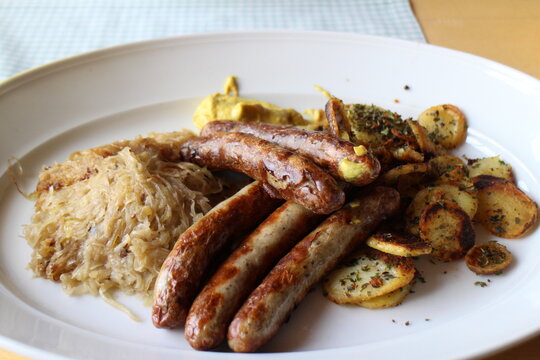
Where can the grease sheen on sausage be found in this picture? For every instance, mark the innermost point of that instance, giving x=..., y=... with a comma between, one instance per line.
x=214, y=308
x=285, y=174
x=182, y=272
x=338, y=156
x=286, y=285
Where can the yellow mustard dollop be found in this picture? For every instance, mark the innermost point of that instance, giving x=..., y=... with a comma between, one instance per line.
x=351, y=170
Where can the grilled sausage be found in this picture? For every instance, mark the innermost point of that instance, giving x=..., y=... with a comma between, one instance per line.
x=338, y=156
x=285, y=174
x=214, y=308
x=181, y=274
x=285, y=286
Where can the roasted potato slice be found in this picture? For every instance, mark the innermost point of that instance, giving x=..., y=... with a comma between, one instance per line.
x=408, y=185
x=444, y=163
x=488, y=258
x=406, y=153
x=446, y=125
x=493, y=166
x=422, y=138
x=426, y=196
x=448, y=229
x=338, y=123
x=457, y=177
x=398, y=244
x=391, y=299
x=503, y=209
x=449, y=169
x=391, y=176
x=366, y=274
x=372, y=125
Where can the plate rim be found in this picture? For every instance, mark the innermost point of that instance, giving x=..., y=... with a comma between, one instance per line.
x=51, y=67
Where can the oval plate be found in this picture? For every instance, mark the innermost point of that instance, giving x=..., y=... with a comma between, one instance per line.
x=117, y=93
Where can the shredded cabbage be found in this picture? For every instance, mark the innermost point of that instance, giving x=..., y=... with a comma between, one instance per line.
x=106, y=218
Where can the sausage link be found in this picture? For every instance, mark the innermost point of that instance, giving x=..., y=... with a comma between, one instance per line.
x=183, y=270
x=286, y=285
x=214, y=308
x=338, y=156
x=285, y=174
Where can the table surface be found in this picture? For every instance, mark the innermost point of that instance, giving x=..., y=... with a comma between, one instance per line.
x=500, y=30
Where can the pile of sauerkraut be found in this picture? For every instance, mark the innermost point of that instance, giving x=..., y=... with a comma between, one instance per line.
x=106, y=218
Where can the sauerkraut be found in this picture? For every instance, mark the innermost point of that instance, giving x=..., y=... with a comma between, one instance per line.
x=106, y=218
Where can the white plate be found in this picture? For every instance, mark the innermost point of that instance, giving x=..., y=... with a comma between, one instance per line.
x=47, y=113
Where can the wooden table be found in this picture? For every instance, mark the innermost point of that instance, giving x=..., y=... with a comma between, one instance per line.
x=507, y=31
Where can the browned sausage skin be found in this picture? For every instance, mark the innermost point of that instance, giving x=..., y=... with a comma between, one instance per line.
x=181, y=274
x=286, y=285
x=285, y=174
x=338, y=156
x=214, y=308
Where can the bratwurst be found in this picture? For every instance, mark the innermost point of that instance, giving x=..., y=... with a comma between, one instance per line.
x=284, y=174
x=183, y=271
x=214, y=308
x=339, y=157
x=286, y=285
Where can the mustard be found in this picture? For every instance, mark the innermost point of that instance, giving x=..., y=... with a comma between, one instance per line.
x=231, y=86
x=360, y=150
x=229, y=106
x=351, y=170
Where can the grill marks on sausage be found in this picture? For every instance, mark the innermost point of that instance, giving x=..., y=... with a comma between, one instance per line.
x=184, y=269
x=290, y=280
x=285, y=174
x=247, y=265
x=323, y=148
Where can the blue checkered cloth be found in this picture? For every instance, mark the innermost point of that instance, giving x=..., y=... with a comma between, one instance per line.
x=34, y=32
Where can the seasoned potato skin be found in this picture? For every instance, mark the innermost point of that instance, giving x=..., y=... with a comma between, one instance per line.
x=369, y=282
x=493, y=166
x=488, y=258
x=399, y=244
x=447, y=246
x=429, y=195
x=391, y=299
x=391, y=177
x=504, y=209
x=446, y=125
x=338, y=124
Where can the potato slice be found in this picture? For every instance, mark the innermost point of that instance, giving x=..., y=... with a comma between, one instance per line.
x=452, y=170
x=488, y=258
x=338, y=123
x=493, y=166
x=391, y=299
x=391, y=176
x=366, y=274
x=457, y=177
x=407, y=154
x=398, y=244
x=445, y=163
x=422, y=139
x=503, y=209
x=408, y=185
x=426, y=196
x=446, y=125
x=448, y=229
